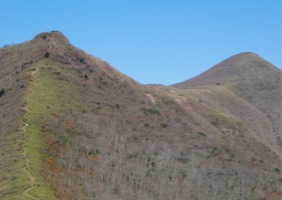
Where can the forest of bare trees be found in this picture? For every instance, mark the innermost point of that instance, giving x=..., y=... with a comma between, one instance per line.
x=106, y=162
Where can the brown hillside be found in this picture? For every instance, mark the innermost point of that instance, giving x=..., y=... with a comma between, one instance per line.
x=254, y=81
x=75, y=128
x=242, y=68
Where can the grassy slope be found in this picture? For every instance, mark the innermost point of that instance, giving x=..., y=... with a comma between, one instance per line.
x=157, y=130
x=37, y=96
x=256, y=84
x=49, y=98
x=45, y=100
x=14, y=179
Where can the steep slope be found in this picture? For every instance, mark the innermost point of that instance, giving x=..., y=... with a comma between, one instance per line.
x=35, y=80
x=255, y=82
x=242, y=68
x=82, y=130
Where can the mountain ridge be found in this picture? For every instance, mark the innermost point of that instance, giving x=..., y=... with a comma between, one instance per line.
x=243, y=74
x=233, y=67
x=94, y=133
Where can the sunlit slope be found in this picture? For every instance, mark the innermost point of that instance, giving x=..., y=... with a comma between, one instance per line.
x=75, y=128
x=255, y=83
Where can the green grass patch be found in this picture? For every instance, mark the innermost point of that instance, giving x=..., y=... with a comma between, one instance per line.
x=15, y=180
x=219, y=118
x=48, y=97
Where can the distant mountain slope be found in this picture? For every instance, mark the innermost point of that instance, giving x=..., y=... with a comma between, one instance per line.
x=75, y=128
x=247, y=68
x=255, y=81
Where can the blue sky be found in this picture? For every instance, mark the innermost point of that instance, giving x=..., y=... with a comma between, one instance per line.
x=152, y=41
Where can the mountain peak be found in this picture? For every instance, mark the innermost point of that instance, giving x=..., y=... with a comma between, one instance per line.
x=246, y=59
x=56, y=46
x=237, y=68
x=247, y=54
x=53, y=35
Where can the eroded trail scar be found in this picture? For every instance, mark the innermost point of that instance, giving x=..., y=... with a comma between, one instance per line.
x=26, y=169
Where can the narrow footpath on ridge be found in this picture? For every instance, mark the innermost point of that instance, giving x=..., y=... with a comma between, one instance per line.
x=26, y=169
x=27, y=162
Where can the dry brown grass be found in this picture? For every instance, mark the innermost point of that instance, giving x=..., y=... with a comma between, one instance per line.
x=107, y=137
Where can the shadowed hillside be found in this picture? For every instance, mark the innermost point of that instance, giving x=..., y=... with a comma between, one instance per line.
x=75, y=128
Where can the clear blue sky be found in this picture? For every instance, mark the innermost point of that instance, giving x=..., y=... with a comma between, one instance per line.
x=152, y=41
